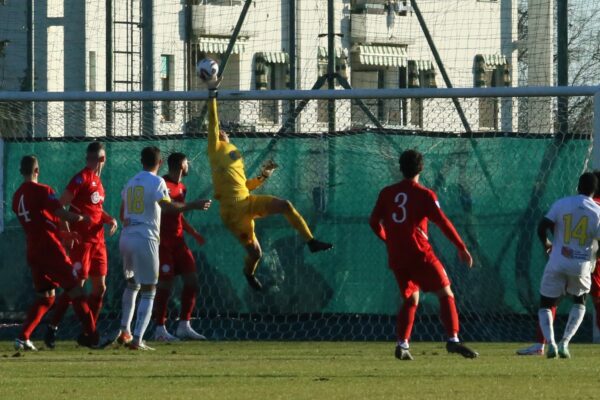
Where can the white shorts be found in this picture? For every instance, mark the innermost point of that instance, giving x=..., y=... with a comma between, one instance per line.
x=557, y=282
x=140, y=258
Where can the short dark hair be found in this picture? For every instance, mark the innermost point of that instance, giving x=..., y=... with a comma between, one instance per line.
x=94, y=148
x=175, y=159
x=588, y=184
x=28, y=164
x=411, y=163
x=150, y=156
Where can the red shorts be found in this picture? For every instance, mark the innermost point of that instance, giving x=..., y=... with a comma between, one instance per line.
x=595, y=290
x=429, y=276
x=89, y=259
x=51, y=268
x=175, y=259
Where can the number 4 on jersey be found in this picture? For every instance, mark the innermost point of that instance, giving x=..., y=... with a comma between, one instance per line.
x=22, y=211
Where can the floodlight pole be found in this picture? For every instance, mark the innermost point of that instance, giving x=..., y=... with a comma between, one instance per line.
x=596, y=133
x=562, y=22
x=148, y=64
x=292, y=51
x=330, y=65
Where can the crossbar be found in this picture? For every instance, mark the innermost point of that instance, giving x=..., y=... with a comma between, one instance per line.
x=538, y=91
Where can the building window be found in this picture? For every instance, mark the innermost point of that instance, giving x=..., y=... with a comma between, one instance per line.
x=421, y=74
x=490, y=71
x=167, y=82
x=272, y=73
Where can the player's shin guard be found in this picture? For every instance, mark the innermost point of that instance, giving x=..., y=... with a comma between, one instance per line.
x=449, y=315
x=539, y=335
x=128, y=304
x=575, y=318
x=61, y=305
x=298, y=223
x=34, y=315
x=546, y=324
x=406, y=319
x=95, y=303
x=159, y=312
x=82, y=310
x=144, y=313
x=188, y=302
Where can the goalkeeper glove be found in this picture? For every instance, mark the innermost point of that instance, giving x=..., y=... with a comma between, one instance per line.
x=267, y=169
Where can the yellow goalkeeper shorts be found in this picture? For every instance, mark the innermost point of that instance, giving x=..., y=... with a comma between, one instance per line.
x=239, y=216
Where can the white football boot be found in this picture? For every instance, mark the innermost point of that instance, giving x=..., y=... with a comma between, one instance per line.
x=24, y=345
x=162, y=335
x=186, y=332
x=536, y=349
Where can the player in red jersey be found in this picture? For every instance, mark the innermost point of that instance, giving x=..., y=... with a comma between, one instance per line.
x=176, y=259
x=400, y=219
x=85, y=195
x=537, y=349
x=38, y=211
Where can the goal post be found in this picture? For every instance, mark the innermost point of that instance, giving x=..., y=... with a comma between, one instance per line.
x=494, y=182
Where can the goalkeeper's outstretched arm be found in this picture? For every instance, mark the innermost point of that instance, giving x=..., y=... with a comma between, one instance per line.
x=213, y=125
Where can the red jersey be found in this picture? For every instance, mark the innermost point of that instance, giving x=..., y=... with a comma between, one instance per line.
x=88, y=197
x=35, y=204
x=400, y=219
x=171, y=225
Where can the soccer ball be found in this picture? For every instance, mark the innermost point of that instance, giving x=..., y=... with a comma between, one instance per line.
x=207, y=69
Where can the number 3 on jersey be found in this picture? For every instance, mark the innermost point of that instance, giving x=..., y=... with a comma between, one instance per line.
x=22, y=211
x=135, y=200
x=579, y=232
x=400, y=200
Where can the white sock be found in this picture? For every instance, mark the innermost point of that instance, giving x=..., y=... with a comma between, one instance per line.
x=128, y=301
x=184, y=324
x=575, y=318
x=144, y=314
x=546, y=324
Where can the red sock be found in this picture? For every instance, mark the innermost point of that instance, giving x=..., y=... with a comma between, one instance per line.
x=161, y=302
x=82, y=310
x=34, y=315
x=95, y=304
x=406, y=319
x=597, y=307
x=449, y=315
x=539, y=335
x=60, y=308
x=188, y=301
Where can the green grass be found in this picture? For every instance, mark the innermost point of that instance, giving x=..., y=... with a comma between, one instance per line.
x=295, y=370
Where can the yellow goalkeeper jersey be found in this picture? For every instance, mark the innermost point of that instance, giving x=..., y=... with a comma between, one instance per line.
x=226, y=163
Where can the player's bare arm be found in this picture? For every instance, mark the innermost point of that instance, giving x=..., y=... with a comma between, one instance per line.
x=190, y=230
x=544, y=226
x=110, y=221
x=173, y=207
x=70, y=216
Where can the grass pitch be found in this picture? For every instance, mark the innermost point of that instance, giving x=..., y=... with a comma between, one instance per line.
x=295, y=370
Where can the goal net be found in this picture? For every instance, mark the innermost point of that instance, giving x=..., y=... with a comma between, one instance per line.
x=495, y=180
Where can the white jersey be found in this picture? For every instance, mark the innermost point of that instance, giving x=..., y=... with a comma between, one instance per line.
x=141, y=196
x=576, y=230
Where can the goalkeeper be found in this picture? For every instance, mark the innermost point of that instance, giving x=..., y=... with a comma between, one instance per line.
x=238, y=207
